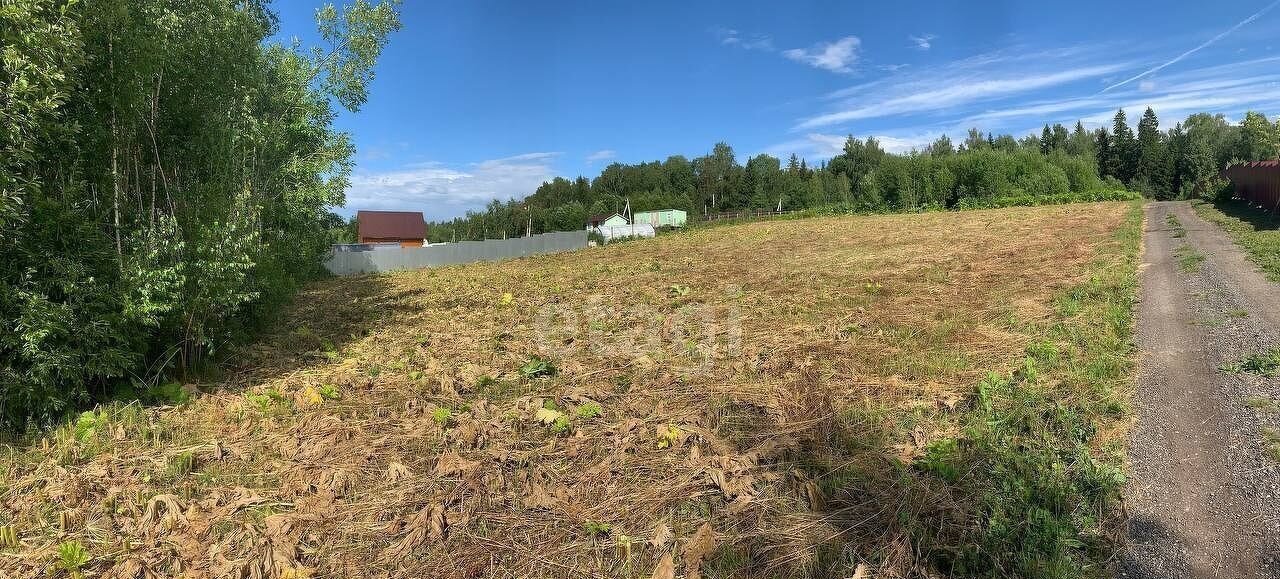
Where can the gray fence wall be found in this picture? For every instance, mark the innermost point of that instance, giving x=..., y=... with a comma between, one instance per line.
x=380, y=260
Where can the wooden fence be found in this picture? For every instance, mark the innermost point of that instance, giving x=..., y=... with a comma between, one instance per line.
x=1257, y=182
x=745, y=214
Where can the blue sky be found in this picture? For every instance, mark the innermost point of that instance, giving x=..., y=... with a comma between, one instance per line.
x=476, y=100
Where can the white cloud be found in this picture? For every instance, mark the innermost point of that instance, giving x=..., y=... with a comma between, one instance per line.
x=907, y=143
x=922, y=42
x=1147, y=85
x=812, y=146
x=753, y=41
x=442, y=191
x=601, y=155
x=838, y=56
x=822, y=146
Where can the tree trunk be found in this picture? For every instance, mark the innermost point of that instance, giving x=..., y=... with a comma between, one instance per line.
x=115, y=161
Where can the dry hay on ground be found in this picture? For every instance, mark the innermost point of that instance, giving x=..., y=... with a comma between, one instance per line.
x=697, y=392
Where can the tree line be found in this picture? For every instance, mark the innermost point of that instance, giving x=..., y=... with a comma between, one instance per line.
x=166, y=175
x=1180, y=162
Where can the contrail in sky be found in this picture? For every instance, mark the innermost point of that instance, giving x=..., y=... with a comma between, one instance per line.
x=1198, y=48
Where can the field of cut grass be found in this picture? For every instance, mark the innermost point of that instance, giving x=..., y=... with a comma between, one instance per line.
x=888, y=396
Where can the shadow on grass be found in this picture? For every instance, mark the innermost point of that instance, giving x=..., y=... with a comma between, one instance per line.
x=346, y=309
x=1258, y=218
x=323, y=320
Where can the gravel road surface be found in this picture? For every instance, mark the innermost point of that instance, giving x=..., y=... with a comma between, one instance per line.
x=1204, y=497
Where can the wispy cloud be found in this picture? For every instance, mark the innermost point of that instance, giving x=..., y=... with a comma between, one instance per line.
x=444, y=191
x=922, y=42
x=1198, y=48
x=937, y=90
x=601, y=155
x=838, y=56
x=1227, y=88
x=752, y=41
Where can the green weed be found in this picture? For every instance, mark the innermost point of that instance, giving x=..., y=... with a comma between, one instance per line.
x=588, y=411
x=1189, y=260
x=940, y=459
x=596, y=528
x=181, y=465
x=265, y=401
x=442, y=415
x=329, y=392
x=561, y=425
x=72, y=557
x=169, y=393
x=536, y=367
x=1264, y=364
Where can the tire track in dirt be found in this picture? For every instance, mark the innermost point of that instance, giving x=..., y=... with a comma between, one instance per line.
x=1204, y=500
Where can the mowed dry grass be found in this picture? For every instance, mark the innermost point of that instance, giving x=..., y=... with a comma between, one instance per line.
x=721, y=361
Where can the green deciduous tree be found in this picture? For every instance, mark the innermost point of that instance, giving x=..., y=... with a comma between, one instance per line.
x=180, y=168
x=1258, y=137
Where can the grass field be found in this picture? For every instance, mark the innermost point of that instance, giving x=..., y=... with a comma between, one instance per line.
x=897, y=396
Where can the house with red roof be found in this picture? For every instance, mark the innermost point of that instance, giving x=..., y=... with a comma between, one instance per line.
x=407, y=228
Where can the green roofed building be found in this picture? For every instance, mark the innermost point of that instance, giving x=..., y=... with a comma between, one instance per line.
x=662, y=218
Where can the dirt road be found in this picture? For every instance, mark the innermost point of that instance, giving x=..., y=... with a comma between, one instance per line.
x=1204, y=499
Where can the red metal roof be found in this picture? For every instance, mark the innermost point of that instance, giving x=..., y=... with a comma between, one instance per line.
x=391, y=224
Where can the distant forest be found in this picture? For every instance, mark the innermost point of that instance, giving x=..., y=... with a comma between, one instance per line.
x=1181, y=162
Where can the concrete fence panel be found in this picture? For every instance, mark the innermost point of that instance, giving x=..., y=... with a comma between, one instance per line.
x=400, y=258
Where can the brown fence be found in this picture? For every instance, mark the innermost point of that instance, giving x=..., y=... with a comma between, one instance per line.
x=1257, y=182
